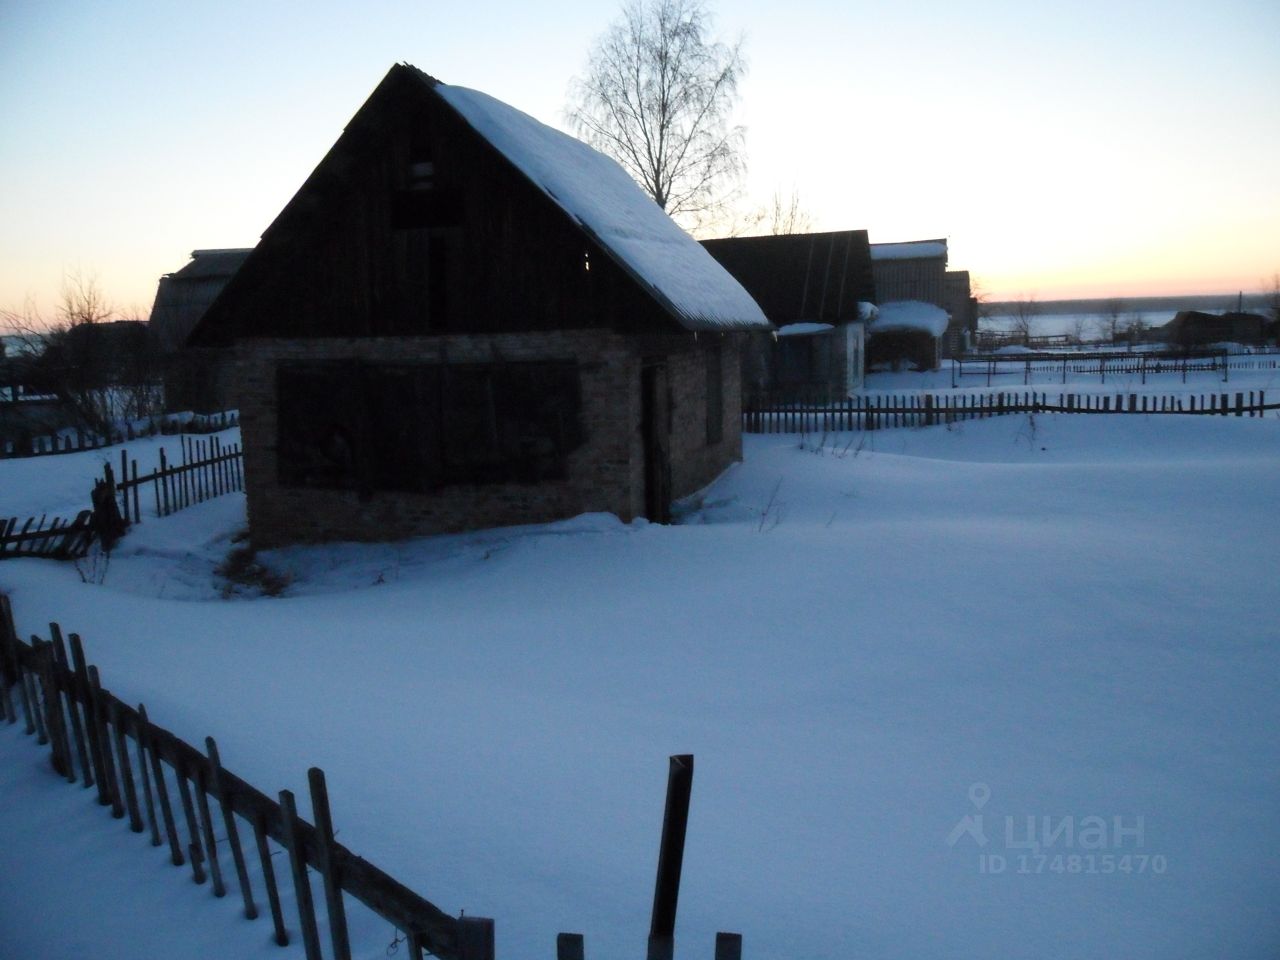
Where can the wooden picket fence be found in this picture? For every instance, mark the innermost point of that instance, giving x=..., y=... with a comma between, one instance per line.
x=208, y=469
x=1110, y=363
x=922, y=410
x=44, y=445
x=137, y=768
x=99, y=741
x=58, y=539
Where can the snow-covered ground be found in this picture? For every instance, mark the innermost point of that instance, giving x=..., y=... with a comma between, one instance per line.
x=1052, y=617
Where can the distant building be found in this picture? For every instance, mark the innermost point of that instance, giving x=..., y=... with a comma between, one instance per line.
x=464, y=319
x=1194, y=328
x=916, y=272
x=816, y=288
x=195, y=378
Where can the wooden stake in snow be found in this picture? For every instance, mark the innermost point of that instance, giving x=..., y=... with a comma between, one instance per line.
x=675, y=822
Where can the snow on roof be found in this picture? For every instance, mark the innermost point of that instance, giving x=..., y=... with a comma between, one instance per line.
x=911, y=315
x=609, y=205
x=802, y=329
x=916, y=250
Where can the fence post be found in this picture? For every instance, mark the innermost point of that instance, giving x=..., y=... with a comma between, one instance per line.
x=329, y=869
x=301, y=882
x=728, y=946
x=475, y=938
x=229, y=822
x=675, y=822
x=570, y=946
x=162, y=789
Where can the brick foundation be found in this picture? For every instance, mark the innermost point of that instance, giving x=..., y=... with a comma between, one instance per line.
x=605, y=474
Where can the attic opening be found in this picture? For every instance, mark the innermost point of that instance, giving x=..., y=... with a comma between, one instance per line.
x=421, y=200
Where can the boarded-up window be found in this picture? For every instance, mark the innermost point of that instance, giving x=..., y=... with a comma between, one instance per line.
x=319, y=425
x=417, y=427
x=715, y=395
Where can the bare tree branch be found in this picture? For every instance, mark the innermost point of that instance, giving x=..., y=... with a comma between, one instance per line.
x=657, y=96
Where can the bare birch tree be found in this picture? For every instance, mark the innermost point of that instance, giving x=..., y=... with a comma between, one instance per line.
x=785, y=215
x=657, y=96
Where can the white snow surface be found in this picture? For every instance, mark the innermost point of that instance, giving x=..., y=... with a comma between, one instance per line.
x=914, y=250
x=805, y=328
x=600, y=195
x=912, y=315
x=852, y=639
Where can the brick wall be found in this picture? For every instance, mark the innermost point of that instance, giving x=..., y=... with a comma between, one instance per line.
x=694, y=462
x=605, y=474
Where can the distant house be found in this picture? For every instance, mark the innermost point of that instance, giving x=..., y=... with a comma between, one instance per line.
x=1191, y=328
x=916, y=272
x=195, y=378
x=817, y=290
x=464, y=319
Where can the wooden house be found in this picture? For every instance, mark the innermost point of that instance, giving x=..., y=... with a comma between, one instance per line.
x=1193, y=328
x=465, y=319
x=916, y=272
x=817, y=290
x=195, y=378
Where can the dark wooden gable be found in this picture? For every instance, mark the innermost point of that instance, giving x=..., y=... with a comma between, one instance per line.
x=414, y=224
x=801, y=277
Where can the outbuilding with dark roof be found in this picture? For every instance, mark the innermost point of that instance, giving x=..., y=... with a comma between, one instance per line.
x=465, y=318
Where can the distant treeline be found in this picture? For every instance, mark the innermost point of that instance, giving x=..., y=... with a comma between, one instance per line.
x=1209, y=303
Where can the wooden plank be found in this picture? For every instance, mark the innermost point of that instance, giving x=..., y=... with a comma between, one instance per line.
x=301, y=882
x=269, y=880
x=115, y=793
x=206, y=831
x=229, y=824
x=73, y=696
x=328, y=868
x=59, y=740
x=728, y=946
x=92, y=721
x=180, y=773
x=570, y=946
x=162, y=789
x=126, y=770
x=140, y=740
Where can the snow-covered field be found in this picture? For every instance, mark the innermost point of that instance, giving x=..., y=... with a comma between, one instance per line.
x=1056, y=618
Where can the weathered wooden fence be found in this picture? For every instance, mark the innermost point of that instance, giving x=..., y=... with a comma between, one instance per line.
x=58, y=538
x=99, y=741
x=137, y=767
x=921, y=410
x=1109, y=363
x=42, y=445
x=208, y=469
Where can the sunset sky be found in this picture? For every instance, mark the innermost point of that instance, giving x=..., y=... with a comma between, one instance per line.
x=1086, y=149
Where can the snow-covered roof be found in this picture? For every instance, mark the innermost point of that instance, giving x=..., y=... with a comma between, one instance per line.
x=915, y=250
x=911, y=315
x=803, y=329
x=597, y=193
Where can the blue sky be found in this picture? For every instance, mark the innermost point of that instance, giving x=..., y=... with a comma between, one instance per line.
x=1081, y=149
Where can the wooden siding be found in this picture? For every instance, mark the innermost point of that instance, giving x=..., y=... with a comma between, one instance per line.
x=370, y=247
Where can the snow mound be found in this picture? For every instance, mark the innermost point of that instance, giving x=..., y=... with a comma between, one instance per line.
x=803, y=329
x=911, y=315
